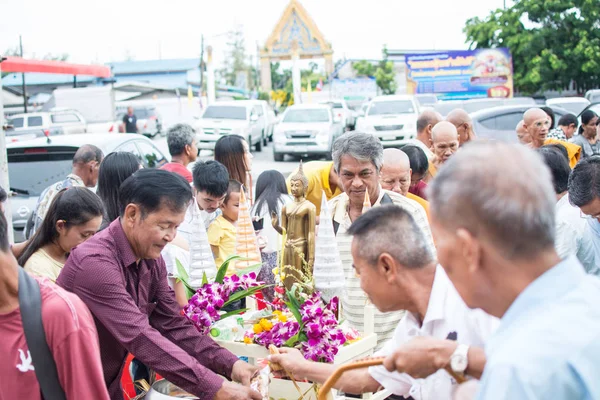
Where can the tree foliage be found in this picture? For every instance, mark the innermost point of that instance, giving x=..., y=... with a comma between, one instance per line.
x=236, y=60
x=383, y=72
x=553, y=42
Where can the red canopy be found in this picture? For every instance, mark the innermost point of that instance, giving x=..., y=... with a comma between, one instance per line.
x=18, y=64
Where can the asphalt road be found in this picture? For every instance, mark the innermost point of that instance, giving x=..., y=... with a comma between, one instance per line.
x=263, y=161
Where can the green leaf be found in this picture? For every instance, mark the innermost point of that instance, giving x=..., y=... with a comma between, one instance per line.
x=252, y=268
x=234, y=312
x=294, y=307
x=181, y=272
x=242, y=294
x=204, y=278
x=292, y=341
x=223, y=268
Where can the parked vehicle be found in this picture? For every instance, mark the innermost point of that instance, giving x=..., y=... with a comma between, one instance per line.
x=230, y=118
x=343, y=112
x=306, y=130
x=55, y=122
x=426, y=100
x=472, y=105
x=593, y=96
x=36, y=164
x=267, y=117
x=149, y=121
x=499, y=123
x=393, y=119
x=95, y=103
x=574, y=105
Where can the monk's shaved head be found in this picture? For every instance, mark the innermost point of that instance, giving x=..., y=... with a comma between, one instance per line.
x=537, y=124
x=443, y=131
x=508, y=203
x=428, y=117
x=396, y=158
x=522, y=135
x=396, y=172
x=458, y=116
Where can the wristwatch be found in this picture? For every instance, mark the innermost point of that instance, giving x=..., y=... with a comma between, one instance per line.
x=459, y=360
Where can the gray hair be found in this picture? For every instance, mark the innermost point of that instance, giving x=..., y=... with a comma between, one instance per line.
x=391, y=229
x=358, y=145
x=178, y=136
x=501, y=193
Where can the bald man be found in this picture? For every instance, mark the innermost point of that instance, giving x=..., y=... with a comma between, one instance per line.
x=463, y=123
x=445, y=143
x=522, y=134
x=425, y=123
x=499, y=253
x=396, y=175
x=537, y=123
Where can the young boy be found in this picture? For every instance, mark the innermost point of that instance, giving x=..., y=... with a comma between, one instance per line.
x=222, y=231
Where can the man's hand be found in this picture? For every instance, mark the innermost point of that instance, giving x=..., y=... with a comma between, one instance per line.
x=235, y=391
x=421, y=356
x=242, y=372
x=291, y=360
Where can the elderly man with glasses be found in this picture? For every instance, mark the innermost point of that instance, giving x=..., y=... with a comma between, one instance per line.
x=537, y=124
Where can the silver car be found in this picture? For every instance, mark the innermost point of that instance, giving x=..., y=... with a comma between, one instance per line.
x=36, y=164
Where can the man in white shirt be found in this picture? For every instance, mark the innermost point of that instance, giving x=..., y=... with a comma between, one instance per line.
x=398, y=271
x=572, y=234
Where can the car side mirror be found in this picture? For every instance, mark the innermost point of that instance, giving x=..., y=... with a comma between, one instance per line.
x=253, y=118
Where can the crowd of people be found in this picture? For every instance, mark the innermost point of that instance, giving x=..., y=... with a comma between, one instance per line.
x=481, y=258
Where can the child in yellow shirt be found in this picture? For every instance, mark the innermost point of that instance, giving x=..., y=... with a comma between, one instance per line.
x=222, y=231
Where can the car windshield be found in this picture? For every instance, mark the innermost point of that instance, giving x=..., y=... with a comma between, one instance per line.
x=225, y=112
x=306, y=115
x=334, y=104
x=33, y=171
x=391, y=107
x=425, y=99
x=572, y=107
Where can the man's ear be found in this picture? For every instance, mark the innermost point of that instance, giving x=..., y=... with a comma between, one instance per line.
x=132, y=214
x=386, y=265
x=470, y=249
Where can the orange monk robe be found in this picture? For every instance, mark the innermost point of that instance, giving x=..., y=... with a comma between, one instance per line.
x=573, y=150
x=424, y=203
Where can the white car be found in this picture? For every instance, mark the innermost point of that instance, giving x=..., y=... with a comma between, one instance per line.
x=574, y=105
x=55, y=122
x=267, y=118
x=393, y=119
x=306, y=130
x=230, y=118
x=343, y=112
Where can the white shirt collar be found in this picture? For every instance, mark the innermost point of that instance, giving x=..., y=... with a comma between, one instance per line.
x=437, y=299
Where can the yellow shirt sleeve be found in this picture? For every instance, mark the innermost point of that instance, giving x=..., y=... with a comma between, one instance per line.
x=215, y=233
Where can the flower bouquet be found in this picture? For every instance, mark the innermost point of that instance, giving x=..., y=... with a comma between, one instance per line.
x=205, y=304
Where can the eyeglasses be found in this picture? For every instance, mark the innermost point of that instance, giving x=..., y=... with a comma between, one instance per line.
x=585, y=216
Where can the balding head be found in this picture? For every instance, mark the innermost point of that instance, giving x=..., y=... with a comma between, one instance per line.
x=445, y=140
x=425, y=123
x=522, y=134
x=396, y=172
x=463, y=123
x=492, y=206
x=537, y=123
x=86, y=164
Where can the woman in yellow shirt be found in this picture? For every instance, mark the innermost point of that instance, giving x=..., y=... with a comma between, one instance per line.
x=74, y=216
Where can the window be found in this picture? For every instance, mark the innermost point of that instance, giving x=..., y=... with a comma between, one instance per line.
x=391, y=107
x=503, y=122
x=35, y=171
x=34, y=121
x=64, y=118
x=225, y=112
x=16, y=122
x=307, y=115
x=130, y=147
x=151, y=156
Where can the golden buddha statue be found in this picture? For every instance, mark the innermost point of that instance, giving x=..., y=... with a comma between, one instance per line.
x=299, y=221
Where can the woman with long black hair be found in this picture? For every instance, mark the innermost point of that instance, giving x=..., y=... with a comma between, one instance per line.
x=115, y=168
x=271, y=196
x=587, y=137
x=73, y=217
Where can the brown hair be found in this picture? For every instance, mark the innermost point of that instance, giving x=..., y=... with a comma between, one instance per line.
x=230, y=152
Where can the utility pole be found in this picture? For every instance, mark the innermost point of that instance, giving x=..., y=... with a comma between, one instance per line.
x=23, y=77
x=201, y=70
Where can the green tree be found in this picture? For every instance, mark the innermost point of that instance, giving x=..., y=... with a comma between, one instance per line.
x=364, y=68
x=385, y=76
x=553, y=42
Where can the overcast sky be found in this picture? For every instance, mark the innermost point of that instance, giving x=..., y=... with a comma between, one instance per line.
x=150, y=29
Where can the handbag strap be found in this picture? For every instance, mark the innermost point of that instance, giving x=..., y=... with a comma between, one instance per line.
x=30, y=304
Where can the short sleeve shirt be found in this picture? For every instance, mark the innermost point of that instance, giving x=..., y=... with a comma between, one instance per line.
x=130, y=122
x=221, y=234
